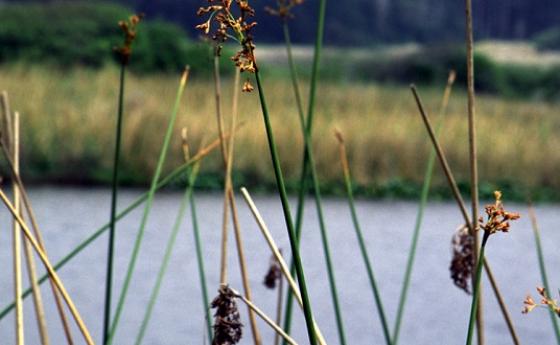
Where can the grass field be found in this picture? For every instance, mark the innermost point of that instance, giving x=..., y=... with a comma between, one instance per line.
x=68, y=120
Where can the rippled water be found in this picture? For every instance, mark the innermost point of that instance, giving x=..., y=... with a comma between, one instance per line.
x=436, y=313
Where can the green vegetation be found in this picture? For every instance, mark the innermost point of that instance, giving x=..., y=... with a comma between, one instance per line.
x=549, y=39
x=84, y=33
x=384, y=163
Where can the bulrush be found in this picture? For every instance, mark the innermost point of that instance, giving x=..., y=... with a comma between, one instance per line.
x=227, y=25
x=498, y=218
x=273, y=275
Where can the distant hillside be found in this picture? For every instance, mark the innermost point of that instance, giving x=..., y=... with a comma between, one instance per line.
x=368, y=22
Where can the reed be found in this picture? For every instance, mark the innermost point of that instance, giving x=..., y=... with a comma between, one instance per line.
x=278, y=256
x=473, y=155
x=421, y=207
x=48, y=266
x=6, y=148
x=179, y=171
x=129, y=30
x=191, y=178
x=542, y=268
x=147, y=207
x=361, y=240
x=458, y=198
x=16, y=244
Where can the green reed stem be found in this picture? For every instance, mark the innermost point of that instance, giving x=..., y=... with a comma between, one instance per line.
x=428, y=174
x=363, y=248
x=148, y=206
x=476, y=292
x=542, y=269
x=308, y=125
x=306, y=130
x=201, y=270
x=287, y=216
x=114, y=190
x=167, y=256
x=85, y=243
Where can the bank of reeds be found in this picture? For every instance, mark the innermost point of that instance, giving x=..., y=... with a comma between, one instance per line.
x=379, y=159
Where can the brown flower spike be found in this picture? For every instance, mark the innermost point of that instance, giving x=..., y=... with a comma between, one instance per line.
x=129, y=31
x=462, y=263
x=225, y=24
x=283, y=11
x=227, y=322
x=546, y=302
x=273, y=275
x=497, y=218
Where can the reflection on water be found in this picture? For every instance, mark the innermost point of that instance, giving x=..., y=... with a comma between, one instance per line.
x=437, y=312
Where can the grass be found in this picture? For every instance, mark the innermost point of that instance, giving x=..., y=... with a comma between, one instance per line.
x=381, y=160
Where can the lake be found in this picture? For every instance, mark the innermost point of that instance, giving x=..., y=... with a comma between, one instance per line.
x=437, y=312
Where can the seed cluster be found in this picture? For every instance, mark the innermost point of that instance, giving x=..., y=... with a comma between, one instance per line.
x=273, y=275
x=237, y=27
x=546, y=302
x=497, y=218
x=462, y=263
x=129, y=30
x=284, y=8
x=227, y=322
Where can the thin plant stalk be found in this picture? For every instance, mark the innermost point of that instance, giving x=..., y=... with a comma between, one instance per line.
x=278, y=256
x=229, y=195
x=265, y=318
x=114, y=191
x=457, y=195
x=476, y=289
x=16, y=245
x=420, y=214
x=287, y=215
x=148, y=207
x=167, y=256
x=279, y=308
x=179, y=171
x=50, y=270
x=201, y=270
x=39, y=237
x=223, y=149
x=5, y=145
x=31, y=267
x=361, y=240
x=542, y=268
x=309, y=161
x=473, y=154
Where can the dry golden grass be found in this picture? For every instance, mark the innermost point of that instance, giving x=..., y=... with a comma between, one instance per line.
x=68, y=123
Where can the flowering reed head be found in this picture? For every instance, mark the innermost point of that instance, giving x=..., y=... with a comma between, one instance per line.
x=227, y=322
x=497, y=218
x=284, y=9
x=462, y=263
x=273, y=275
x=128, y=28
x=223, y=23
x=546, y=302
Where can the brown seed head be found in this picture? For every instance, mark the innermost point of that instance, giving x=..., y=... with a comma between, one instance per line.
x=284, y=9
x=129, y=30
x=225, y=24
x=227, y=322
x=273, y=275
x=462, y=263
x=497, y=217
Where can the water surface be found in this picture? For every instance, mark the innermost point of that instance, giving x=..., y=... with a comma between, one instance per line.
x=436, y=312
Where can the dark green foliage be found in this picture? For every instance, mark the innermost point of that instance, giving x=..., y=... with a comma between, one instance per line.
x=66, y=34
x=548, y=39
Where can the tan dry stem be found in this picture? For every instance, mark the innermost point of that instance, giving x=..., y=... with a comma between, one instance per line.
x=278, y=255
x=49, y=268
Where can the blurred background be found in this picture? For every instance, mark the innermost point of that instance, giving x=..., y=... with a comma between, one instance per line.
x=374, y=49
